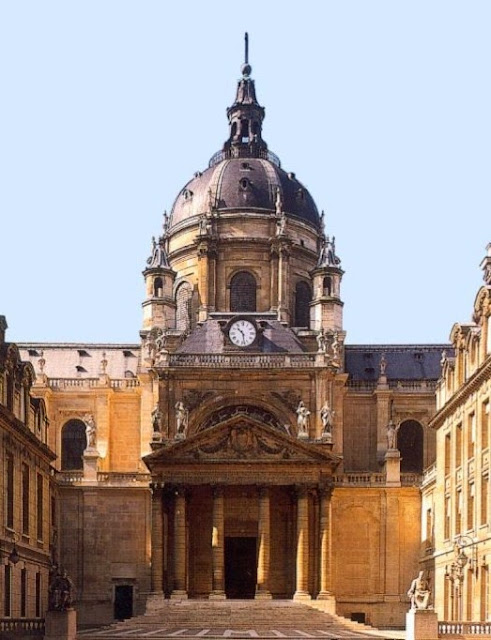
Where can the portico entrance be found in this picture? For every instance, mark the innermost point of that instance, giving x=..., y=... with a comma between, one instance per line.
x=241, y=510
x=240, y=567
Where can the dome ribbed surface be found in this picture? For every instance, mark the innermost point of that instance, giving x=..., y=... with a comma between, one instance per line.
x=244, y=183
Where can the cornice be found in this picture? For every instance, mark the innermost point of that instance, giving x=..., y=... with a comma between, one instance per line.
x=470, y=386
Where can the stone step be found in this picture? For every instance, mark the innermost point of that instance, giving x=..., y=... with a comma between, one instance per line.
x=236, y=619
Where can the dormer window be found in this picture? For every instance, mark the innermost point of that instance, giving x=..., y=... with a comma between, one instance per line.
x=245, y=184
x=187, y=194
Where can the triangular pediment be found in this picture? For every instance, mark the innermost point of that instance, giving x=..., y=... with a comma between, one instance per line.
x=241, y=439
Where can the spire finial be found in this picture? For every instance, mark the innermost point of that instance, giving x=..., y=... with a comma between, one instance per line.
x=246, y=67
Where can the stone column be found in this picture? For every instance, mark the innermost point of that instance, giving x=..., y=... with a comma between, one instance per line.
x=217, y=546
x=325, y=546
x=264, y=540
x=180, y=546
x=157, y=574
x=302, y=564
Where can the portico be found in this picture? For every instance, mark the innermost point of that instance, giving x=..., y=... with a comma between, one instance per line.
x=240, y=510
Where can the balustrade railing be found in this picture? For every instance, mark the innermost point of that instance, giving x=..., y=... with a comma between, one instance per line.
x=367, y=479
x=459, y=628
x=242, y=360
x=91, y=383
x=22, y=626
x=406, y=386
x=111, y=478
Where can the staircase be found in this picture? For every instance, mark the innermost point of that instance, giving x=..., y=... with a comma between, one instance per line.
x=236, y=619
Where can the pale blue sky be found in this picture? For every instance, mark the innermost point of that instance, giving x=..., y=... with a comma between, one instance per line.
x=382, y=109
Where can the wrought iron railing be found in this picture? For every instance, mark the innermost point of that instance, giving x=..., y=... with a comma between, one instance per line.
x=243, y=152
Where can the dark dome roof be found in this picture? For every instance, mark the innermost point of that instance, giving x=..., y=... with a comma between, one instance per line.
x=244, y=183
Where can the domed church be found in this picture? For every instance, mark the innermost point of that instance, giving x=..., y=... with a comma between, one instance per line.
x=242, y=448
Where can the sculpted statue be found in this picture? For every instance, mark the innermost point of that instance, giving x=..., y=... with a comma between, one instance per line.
x=278, y=203
x=419, y=592
x=182, y=415
x=60, y=590
x=281, y=225
x=335, y=347
x=157, y=419
x=90, y=430
x=321, y=342
x=392, y=430
x=327, y=415
x=383, y=364
x=302, y=419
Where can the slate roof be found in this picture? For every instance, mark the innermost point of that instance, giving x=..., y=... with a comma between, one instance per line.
x=208, y=338
x=71, y=360
x=404, y=362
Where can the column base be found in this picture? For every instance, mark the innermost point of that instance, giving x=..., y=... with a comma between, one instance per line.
x=327, y=601
x=217, y=595
x=154, y=601
x=302, y=595
x=179, y=594
x=263, y=595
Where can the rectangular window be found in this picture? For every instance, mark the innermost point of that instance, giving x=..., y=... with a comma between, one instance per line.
x=458, y=513
x=429, y=528
x=23, y=593
x=471, y=435
x=7, y=597
x=25, y=499
x=470, y=506
x=484, y=499
x=448, y=511
x=458, y=446
x=484, y=592
x=9, y=491
x=485, y=424
x=447, y=454
x=38, y=595
x=39, y=509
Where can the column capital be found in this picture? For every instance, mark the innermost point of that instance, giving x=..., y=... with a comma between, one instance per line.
x=217, y=490
x=263, y=490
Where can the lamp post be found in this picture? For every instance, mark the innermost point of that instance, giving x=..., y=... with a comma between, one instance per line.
x=14, y=556
x=455, y=571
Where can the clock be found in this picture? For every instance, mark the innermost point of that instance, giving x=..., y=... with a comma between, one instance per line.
x=242, y=333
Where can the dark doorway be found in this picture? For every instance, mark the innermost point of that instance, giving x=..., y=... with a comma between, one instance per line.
x=240, y=567
x=123, y=601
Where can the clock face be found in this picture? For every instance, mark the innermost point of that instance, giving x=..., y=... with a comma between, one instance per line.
x=242, y=333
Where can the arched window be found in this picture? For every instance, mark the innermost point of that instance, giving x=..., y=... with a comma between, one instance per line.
x=243, y=292
x=410, y=444
x=327, y=286
x=73, y=445
x=158, y=288
x=303, y=296
x=184, y=296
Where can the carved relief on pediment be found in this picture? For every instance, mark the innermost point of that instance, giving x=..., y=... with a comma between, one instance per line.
x=242, y=442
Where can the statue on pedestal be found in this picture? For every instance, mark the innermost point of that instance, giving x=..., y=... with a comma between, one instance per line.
x=302, y=419
x=182, y=416
x=90, y=430
x=419, y=592
x=326, y=415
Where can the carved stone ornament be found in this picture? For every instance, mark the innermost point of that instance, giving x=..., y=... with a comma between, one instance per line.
x=193, y=398
x=256, y=413
x=290, y=398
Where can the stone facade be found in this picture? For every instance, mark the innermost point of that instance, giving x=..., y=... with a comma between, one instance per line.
x=28, y=504
x=242, y=448
x=456, y=495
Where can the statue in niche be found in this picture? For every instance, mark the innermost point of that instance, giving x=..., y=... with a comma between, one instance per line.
x=302, y=419
x=157, y=419
x=90, y=430
x=182, y=416
x=326, y=415
x=392, y=430
x=419, y=592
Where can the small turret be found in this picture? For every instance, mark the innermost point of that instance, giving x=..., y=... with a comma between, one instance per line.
x=159, y=308
x=486, y=266
x=326, y=308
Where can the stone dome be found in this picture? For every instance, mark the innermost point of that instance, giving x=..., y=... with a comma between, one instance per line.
x=250, y=183
x=244, y=174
